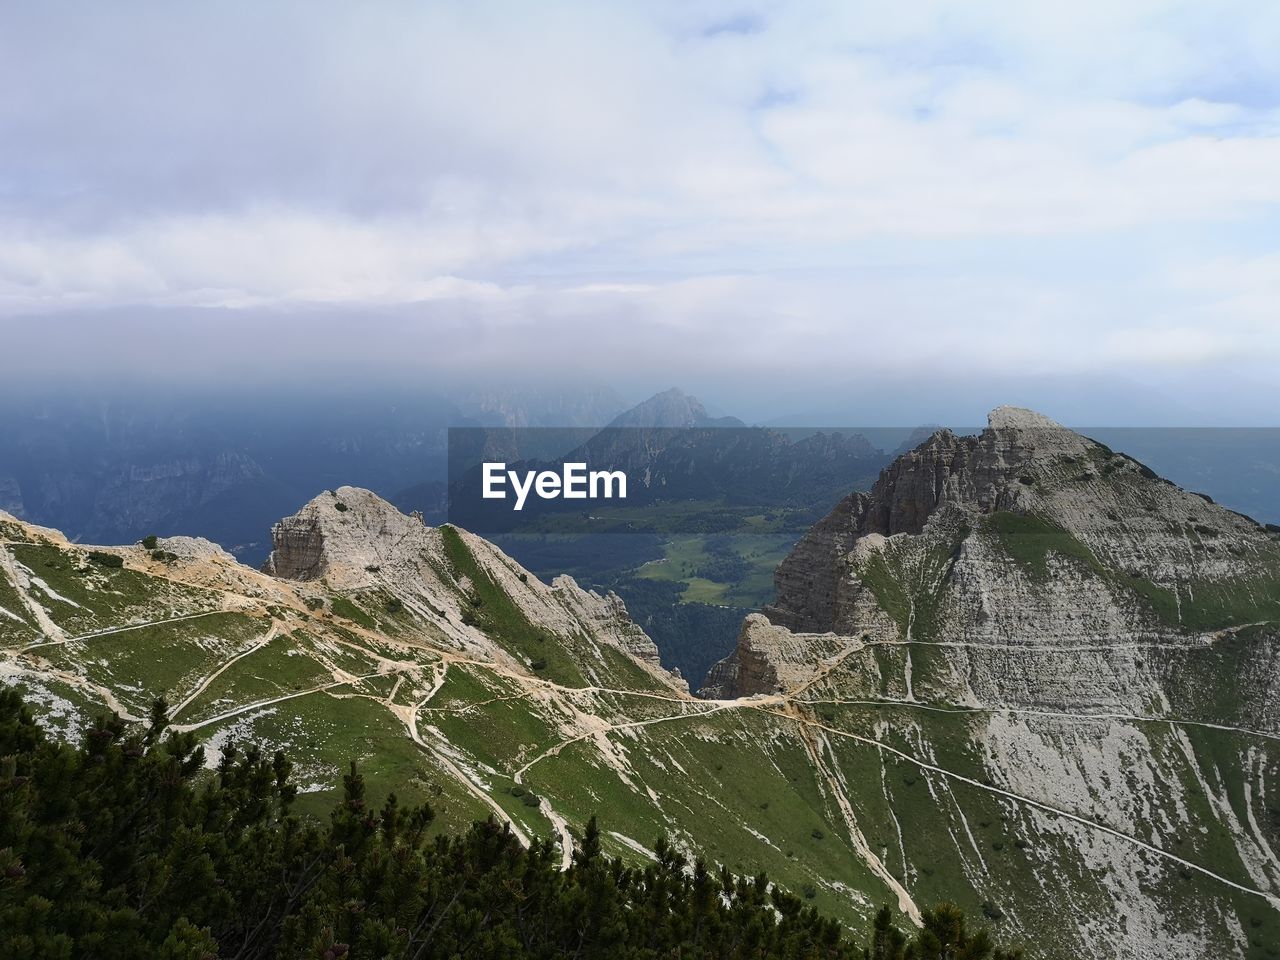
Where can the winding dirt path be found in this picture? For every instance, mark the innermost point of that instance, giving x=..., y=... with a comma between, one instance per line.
x=204, y=684
x=605, y=729
x=108, y=631
x=262, y=704
x=1053, y=714
x=409, y=714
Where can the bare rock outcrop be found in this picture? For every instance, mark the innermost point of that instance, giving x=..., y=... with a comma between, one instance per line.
x=753, y=668
x=351, y=540
x=1025, y=537
x=769, y=659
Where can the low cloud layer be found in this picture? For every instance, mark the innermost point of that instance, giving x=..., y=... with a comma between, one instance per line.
x=1009, y=189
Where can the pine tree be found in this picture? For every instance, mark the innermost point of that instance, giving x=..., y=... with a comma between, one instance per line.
x=887, y=941
x=125, y=848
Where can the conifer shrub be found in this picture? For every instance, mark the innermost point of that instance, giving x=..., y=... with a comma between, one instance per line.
x=126, y=847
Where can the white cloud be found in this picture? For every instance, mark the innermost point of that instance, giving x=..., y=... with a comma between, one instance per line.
x=1025, y=185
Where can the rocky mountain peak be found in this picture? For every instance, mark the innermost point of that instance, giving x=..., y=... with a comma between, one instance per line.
x=357, y=543
x=1099, y=503
x=671, y=409
x=991, y=471
x=1020, y=418
x=1053, y=609
x=339, y=535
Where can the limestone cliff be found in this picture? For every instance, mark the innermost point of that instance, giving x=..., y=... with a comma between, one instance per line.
x=999, y=549
x=1075, y=631
x=351, y=540
x=1098, y=505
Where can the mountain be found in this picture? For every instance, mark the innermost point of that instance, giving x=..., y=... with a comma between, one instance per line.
x=721, y=500
x=1239, y=466
x=917, y=436
x=672, y=453
x=448, y=671
x=120, y=466
x=746, y=467
x=113, y=465
x=1080, y=661
x=366, y=616
x=517, y=425
x=533, y=406
x=1022, y=673
x=673, y=409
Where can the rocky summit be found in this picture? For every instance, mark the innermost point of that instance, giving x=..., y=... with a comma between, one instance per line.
x=1022, y=673
x=1026, y=537
x=1087, y=637
x=353, y=541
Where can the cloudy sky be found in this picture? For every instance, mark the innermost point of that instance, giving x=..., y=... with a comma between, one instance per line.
x=919, y=196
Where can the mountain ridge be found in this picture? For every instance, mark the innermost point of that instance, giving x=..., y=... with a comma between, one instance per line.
x=986, y=704
x=1035, y=582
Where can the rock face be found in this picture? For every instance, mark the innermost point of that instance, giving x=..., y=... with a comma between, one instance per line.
x=352, y=540
x=339, y=534
x=606, y=616
x=1023, y=464
x=1071, y=625
x=769, y=659
x=1024, y=535
x=753, y=665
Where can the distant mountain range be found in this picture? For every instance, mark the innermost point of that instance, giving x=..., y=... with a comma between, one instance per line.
x=681, y=457
x=117, y=465
x=121, y=466
x=128, y=464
